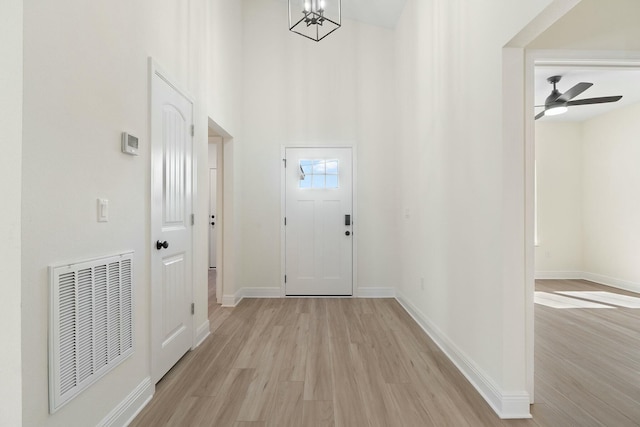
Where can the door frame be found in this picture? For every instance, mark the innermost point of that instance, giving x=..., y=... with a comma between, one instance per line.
x=156, y=70
x=209, y=218
x=220, y=191
x=354, y=215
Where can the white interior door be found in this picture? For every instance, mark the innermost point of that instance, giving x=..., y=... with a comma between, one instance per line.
x=319, y=223
x=213, y=180
x=171, y=207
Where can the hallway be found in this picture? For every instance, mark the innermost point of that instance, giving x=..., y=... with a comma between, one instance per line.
x=308, y=362
x=365, y=362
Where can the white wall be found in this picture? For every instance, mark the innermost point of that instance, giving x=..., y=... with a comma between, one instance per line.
x=587, y=178
x=224, y=71
x=449, y=74
x=10, y=194
x=595, y=25
x=86, y=80
x=299, y=92
x=611, y=203
x=559, y=163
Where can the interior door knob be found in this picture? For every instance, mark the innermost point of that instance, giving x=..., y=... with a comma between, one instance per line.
x=160, y=245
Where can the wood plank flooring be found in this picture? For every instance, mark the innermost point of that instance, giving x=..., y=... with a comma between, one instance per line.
x=365, y=362
x=587, y=360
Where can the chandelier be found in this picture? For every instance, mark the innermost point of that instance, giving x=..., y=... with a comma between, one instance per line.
x=314, y=19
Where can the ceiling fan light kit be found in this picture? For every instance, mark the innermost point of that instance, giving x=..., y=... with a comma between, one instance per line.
x=558, y=103
x=555, y=111
x=315, y=19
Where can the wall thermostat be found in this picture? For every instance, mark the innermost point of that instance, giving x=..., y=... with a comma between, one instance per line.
x=129, y=144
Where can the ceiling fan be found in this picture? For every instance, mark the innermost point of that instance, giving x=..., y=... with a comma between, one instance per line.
x=557, y=102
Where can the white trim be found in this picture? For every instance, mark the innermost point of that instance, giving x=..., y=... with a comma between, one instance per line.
x=376, y=292
x=612, y=281
x=255, y=292
x=260, y=292
x=507, y=404
x=283, y=213
x=558, y=275
x=126, y=411
x=231, y=300
x=592, y=277
x=201, y=333
x=355, y=220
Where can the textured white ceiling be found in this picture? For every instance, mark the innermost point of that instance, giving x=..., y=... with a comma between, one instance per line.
x=606, y=82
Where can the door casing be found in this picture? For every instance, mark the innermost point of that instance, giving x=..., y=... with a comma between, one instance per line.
x=213, y=201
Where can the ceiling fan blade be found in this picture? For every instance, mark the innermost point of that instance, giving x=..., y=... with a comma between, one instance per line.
x=539, y=115
x=602, y=100
x=574, y=91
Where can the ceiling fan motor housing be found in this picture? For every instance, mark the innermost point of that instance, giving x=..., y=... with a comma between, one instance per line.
x=553, y=99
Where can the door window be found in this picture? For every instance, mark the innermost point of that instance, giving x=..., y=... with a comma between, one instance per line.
x=318, y=173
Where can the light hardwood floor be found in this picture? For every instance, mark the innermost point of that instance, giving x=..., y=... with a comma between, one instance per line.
x=587, y=361
x=364, y=362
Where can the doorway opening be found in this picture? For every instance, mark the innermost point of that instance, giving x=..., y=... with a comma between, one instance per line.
x=584, y=266
x=215, y=148
x=217, y=200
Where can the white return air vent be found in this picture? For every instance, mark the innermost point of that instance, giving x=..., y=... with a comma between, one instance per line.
x=91, y=325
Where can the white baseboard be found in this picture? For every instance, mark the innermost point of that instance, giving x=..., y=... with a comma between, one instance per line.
x=202, y=333
x=257, y=292
x=558, y=275
x=592, y=277
x=261, y=292
x=131, y=406
x=373, y=292
x=611, y=281
x=233, y=300
x=506, y=404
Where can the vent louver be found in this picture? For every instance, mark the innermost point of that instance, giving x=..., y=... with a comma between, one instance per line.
x=91, y=323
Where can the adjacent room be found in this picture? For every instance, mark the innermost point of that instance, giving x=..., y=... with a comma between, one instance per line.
x=587, y=275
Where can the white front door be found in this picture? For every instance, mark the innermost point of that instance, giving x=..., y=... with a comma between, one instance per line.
x=171, y=232
x=319, y=222
x=212, y=216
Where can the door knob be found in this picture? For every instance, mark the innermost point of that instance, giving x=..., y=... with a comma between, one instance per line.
x=160, y=245
x=347, y=233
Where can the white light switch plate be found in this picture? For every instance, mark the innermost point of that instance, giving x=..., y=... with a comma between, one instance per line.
x=103, y=210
